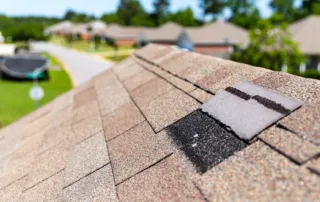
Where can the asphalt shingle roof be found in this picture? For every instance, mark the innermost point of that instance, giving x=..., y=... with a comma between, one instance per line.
x=123, y=136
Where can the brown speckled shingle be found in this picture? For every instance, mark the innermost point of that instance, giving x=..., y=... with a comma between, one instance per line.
x=150, y=91
x=255, y=170
x=121, y=120
x=84, y=97
x=48, y=163
x=138, y=79
x=162, y=182
x=84, y=158
x=168, y=108
x=273, y=80
x=136, y=150
x=84, y=129
x=47, y=190
x=297, y=148
x=98, y=186
x=201, y=95
x=305, y=122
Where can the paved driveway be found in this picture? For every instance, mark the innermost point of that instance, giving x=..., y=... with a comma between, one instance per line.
x=81, y=66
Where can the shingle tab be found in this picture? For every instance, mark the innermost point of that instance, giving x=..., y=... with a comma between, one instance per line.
x=297, y=148
x=48, y=190
x=136, y=150
x=305, y=122
x=121, y=120
x=85, y=158
x=162, y=182
x=248, y=109
x=98, y=186
x=150, y=91
x=48, y=163
x=168, y=108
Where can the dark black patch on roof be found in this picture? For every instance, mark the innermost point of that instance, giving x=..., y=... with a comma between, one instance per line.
x=271, y=105
x=204, y=141
x=238, y=93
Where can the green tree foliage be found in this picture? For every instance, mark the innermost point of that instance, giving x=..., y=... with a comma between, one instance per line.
x=161, y=10
x=284, y=10
x=69, y=15
x=241, y=7
x=310, y=7
x=213, y=7
x=183, y=17
x=110, y=18
x=128, y=9
x=243, y=13
x=82, y=17
x=270, y=47
x=25, y=28
x=142, y=20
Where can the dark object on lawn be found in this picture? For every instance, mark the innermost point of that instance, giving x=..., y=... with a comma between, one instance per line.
x=24, y=67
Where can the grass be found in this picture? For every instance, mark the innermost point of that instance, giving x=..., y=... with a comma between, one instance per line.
x=84, y=46
x=117, y=58
x=15, y=101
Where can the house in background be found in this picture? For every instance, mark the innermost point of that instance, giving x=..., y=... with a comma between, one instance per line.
x=79, y=31
x=215, y=39
x=166, y=34
x=122, y=36
x=306, y=33
x=60, y=28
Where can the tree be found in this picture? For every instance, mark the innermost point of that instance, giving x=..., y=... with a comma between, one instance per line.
x=310, y=7
x=213, y=7
x=128, y=9
x=243, y=13
x=161, y=8
x=82, y=17
x=69, y=15
x=241, y=7
x=142, y=19
x=110, y=18
x=248, y=20
x=183, y=17
x=285, y=8
x=270, y=47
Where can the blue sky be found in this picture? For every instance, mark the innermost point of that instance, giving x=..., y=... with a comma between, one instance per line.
x=97, y=7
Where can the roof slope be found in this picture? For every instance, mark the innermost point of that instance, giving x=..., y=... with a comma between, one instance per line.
x=218, y=32
x=60, y=27
x=116, y=31
x=305, y=32
x=111, y=138
x=168, y=32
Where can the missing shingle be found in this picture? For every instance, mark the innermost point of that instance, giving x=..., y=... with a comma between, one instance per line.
x=205, y=142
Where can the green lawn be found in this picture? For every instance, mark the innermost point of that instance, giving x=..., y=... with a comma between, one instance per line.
x=117, y=58
x=14, y=96
x=85, y=45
